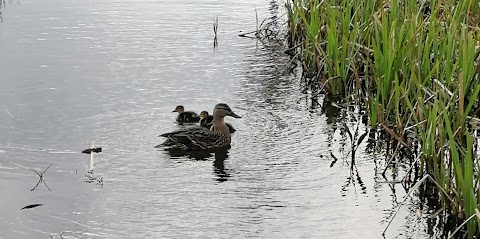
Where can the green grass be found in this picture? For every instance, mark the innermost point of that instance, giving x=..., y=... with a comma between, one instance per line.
x=413, y=65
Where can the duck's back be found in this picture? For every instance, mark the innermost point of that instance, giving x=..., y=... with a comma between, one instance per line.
x=230, y=127
x=195, y=138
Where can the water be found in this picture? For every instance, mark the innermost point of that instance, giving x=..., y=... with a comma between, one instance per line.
x=108, y=72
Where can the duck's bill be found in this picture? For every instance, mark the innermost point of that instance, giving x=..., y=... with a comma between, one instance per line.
x=174, y=111
x=233, y=115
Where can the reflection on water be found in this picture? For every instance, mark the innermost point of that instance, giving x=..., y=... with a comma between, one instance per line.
x=1, y=6
x=219, y=166
x=110, y=72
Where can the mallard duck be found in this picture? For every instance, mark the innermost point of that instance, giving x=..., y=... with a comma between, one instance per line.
x=185, y=116
x=206, y=121
x=200, y=138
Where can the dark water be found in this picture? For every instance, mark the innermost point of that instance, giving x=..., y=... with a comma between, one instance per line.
x=75, y=73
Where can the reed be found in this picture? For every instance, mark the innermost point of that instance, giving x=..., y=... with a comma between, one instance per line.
x=215, y=31
x=414, y=66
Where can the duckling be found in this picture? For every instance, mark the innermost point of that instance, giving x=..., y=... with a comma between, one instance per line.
x=185, y=116
x=200, y=138
x=206, y=121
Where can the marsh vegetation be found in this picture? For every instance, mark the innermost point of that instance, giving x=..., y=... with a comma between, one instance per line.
x=412, y=67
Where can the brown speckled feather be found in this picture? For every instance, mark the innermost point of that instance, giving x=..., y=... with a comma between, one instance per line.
x=196, y=138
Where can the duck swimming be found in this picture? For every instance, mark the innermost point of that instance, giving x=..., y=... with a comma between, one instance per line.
x=206, y=121
x=201, y=138
x=185, y=116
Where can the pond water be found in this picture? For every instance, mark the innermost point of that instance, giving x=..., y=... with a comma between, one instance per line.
x=109, y=73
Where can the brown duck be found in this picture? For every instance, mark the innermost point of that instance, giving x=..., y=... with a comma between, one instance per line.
x=201, y=138
x=206, y=121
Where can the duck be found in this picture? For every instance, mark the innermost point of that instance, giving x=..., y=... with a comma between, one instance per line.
x=185, y=116
x=206, y=121
x=201, y=138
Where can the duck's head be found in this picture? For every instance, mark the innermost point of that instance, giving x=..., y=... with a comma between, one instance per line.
x=222, y=110
x=203, y=114
x=179, y=109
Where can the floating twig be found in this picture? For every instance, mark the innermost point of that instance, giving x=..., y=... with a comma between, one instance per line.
x=247, y=33
x=31, y=206
x=40, y=180
x=259, y=28
x=60, y=235
x=92, y=150
x=389, y=182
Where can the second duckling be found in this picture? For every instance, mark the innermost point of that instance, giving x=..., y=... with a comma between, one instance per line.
x=206, y=121
x=185, y=116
